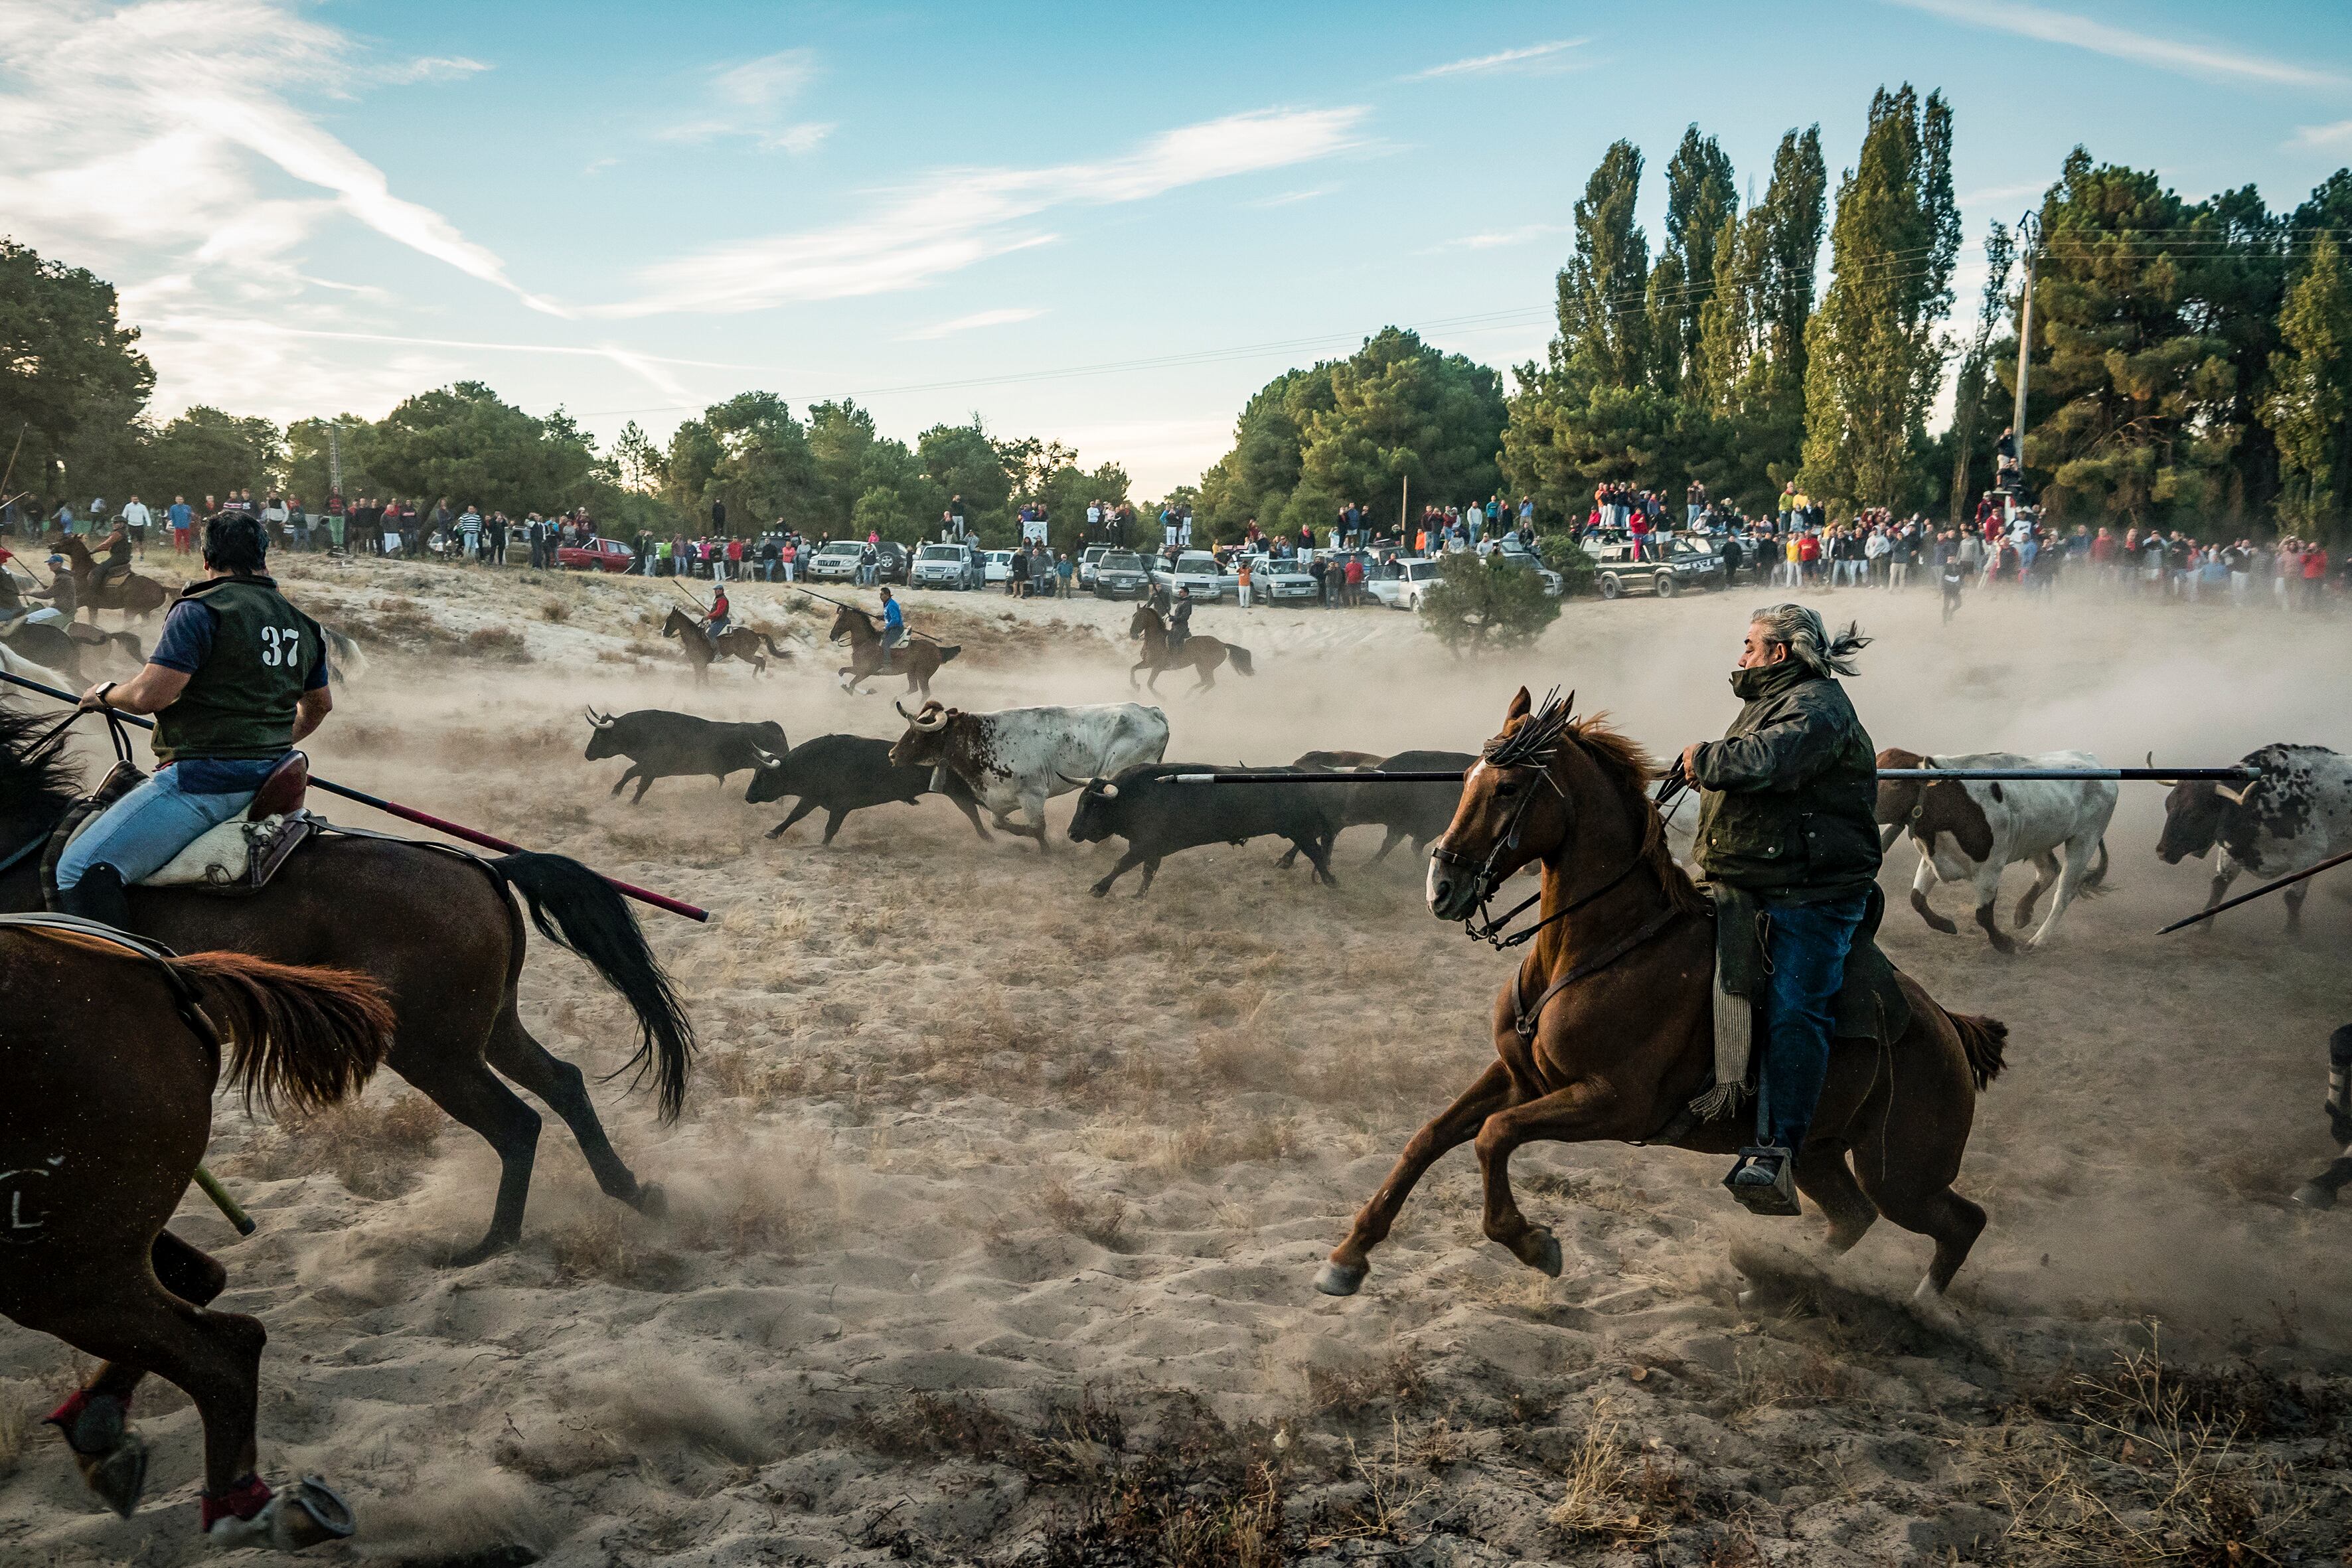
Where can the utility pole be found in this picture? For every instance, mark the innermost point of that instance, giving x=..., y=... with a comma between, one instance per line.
x=1404, y=506
x=2029, y=230
x=334, y=458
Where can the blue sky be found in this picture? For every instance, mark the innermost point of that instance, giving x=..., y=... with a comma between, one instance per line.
x=634, y=211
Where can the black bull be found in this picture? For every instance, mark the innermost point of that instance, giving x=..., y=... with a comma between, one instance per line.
x=661, y=745
x=1420, y=812
x=1158, y=817
x=841, y=773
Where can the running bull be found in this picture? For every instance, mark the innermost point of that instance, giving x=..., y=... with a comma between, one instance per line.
x=2297, y=814
x=1019, y=758
x=841, y=773
x=1971, y=830
x=661, y=745
x=1158, y=817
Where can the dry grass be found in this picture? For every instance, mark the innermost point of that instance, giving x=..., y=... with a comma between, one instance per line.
x=555, y=610
x=609, y=1242
x=1098, y=1220
x=503, y=643
x=1352, y=1388
x=374, y=1147
x=1608, y=1495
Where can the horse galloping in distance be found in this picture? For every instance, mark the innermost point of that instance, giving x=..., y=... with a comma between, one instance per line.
x=111, y=1053
x=1605, y=1031
x=1200, y=654
x=136, y=596
x=442, y=932
x=919, y=658
x=735, y=642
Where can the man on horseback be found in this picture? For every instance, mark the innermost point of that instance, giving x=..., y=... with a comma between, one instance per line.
x=722, y=615
x=117, y=563
x=1787, y=815
x=238, y=677
x=1179, y=622
x=894, y=627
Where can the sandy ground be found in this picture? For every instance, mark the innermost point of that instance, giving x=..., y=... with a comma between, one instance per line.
x=995, y=1207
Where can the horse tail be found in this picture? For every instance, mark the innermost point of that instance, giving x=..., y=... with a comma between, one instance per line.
x=1241, y=657
x=771, y=642
x=949, y=650
x=592, y=920
x=1985, y=1041
x=308, y=1038
x=350, y=661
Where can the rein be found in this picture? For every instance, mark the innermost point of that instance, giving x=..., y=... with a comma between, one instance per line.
x=51, y=737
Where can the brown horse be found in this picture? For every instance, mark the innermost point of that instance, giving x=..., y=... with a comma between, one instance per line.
x=441, y=931
x=1200, y=655
x=1619, y=1036
x=110, y=1070
x=918, y=657
x=136, y=596
x=735, y=642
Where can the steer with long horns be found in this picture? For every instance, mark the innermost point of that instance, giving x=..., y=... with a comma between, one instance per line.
x=2296, y=815
x=1019, y=758
x=661, y=745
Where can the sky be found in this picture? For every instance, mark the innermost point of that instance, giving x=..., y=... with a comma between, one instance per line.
x=1106, y=226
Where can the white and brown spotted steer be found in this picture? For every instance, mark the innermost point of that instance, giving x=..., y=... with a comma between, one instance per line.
x=1019, y=758
x=2296, y=815
x=1971, y=830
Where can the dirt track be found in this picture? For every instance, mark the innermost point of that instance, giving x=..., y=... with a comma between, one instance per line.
x=995, y=1207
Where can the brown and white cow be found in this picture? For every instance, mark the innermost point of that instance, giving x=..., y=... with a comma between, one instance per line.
x=1971, y=830
x=1019, y=758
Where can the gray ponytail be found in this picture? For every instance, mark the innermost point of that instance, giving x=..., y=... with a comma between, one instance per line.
x=1808, y=641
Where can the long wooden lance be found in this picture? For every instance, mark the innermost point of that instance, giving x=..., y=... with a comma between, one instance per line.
x=1415, y=775
x=2208, y=914
x=407, y=813
x=811, y=593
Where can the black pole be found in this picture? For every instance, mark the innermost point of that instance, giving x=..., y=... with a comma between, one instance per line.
x=2257, y=893
x=1375, y=775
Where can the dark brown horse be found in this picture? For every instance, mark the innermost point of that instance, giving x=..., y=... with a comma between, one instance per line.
x=136, y=596
x=1200, y=654
x=735, y=642
x=109, y=1108
x=1621, y=1037
x=919, y=658
x=442, y=933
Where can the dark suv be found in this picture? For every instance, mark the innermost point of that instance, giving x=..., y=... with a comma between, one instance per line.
x=1122, y=575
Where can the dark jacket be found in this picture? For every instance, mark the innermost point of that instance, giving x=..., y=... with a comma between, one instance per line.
x=1789, y=791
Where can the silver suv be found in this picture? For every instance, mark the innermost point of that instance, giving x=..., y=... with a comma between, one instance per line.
x=947, y=566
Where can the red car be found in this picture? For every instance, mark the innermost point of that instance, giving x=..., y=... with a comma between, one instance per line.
x=597, y=555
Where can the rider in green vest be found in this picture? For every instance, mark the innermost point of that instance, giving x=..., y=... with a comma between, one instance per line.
x=237, y=677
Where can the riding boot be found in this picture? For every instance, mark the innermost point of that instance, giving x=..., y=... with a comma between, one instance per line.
x=99, y=895
x=1765, y=1181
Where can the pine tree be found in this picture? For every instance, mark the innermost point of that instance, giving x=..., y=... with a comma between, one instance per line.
x=1875, y=359
x=2309, y=409
x=1603, y=339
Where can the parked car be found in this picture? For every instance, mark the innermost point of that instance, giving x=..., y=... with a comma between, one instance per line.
x=1121, y=575
x=996, y=565
x=1518, y=554
x=597, y=555
x=1196, y=571
x=1272, y=581
x=835, y=561
x=1410, y=577
x=893, y=562
x=947, y=566
x=1680, y=564
x=1088, y=559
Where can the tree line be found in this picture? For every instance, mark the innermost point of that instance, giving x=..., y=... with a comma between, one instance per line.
x=2189, y=368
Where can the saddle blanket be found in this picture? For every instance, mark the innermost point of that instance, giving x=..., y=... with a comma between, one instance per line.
x=237, y=855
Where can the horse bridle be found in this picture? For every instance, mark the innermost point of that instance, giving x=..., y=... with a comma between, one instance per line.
x=1479, y=926
x=53, y=735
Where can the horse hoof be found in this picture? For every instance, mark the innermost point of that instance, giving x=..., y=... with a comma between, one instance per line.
x=482, y=1251
x=307, y=1513
x=117, y=1475
x=1545, y=1247
x=651, y=1201
x=2312, y=1196
x=1341, y=1279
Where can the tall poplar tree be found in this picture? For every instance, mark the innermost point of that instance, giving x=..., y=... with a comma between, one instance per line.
x=1700, y=200
x=1603, y=337
x=1976, y=367
x=1874, y=358
x=2309, y=409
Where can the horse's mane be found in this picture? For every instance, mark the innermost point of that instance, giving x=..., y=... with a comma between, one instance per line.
x=34, y=779
x=1629, y=769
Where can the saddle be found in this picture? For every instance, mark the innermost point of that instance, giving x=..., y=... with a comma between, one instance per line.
x=1870, y=1002
x=239, y=855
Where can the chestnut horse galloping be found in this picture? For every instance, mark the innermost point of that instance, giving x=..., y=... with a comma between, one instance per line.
x=110, y=1069
x=136, y=596
x=1606, y=1031
x=1201, y=655
x=918, y=659
x=736, y=642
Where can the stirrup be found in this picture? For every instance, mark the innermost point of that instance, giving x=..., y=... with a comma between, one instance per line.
x=1776, y=1195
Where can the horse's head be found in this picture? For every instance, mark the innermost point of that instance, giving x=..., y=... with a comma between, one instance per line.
x=1145, y=619
x=1513, y=811
x=677, y=623
x=846, y=622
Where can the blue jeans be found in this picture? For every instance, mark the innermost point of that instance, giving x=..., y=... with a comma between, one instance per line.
x=139, y=834
x=1806, y=950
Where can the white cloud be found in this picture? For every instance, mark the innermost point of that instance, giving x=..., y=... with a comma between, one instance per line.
x=958, y=217
x=2335, y=135
x=189, y=182
x=1504, y=60
x=2210, y=61
x=751, y=99
x=1005, y=318
x=439, y=68
x=1287, y=197
x=1991, y=194
x=1492, y=240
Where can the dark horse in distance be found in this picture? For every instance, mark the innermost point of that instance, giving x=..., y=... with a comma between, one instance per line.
x=1200, y=654
x=918, y=659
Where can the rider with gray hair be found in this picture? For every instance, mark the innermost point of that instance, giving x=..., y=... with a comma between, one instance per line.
x=1787, y=817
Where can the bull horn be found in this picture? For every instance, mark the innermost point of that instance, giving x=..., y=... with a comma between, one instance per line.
x=606, y=723
x=932, y=718
x=2234, y=796
x=902, y=710
x=768, y=759
x=1109, y=791
x=2151, y=763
